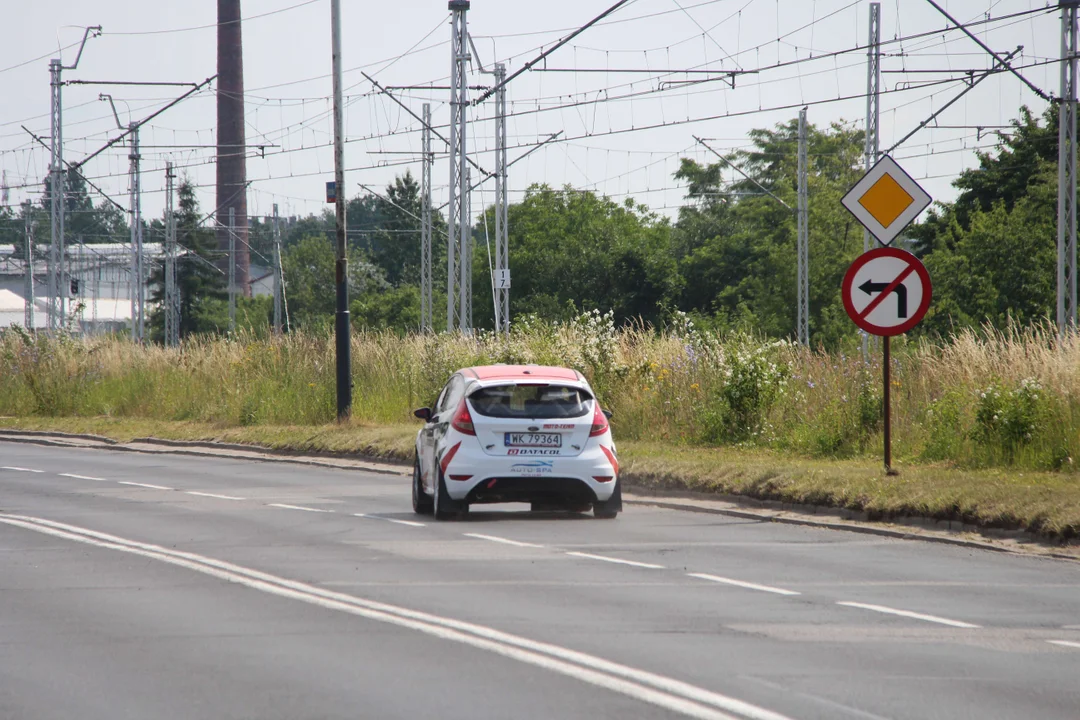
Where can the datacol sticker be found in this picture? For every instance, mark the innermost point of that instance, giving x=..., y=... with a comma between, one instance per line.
x=532, y=451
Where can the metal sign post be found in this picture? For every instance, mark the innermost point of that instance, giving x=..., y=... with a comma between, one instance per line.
x=886, y=291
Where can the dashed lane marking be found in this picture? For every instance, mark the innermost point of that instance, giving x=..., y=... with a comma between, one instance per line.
x=144, y=485
x=504, y=541
x=20, y=469
x=909, y=614
x=742, y=584
x=82, y=477
x=283, y=506
x=618, y=561
x=213, y=495
x=410, y=523
x=1065, y=643
x=664, y=692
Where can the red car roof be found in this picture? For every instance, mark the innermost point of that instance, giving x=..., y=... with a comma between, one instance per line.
x=517, y=372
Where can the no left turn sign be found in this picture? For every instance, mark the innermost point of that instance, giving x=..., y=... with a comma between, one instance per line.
x=886, y=291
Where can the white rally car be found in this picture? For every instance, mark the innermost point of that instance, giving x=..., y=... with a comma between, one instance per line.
x=515, y=433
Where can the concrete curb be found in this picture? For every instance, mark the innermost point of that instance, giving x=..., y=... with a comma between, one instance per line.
x=921, y=528
x=1034, y=549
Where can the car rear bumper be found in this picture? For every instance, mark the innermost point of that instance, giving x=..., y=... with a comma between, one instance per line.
x=531, y=478
x=553, y=490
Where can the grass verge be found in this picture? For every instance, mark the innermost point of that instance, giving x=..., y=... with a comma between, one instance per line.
x=1044, y=503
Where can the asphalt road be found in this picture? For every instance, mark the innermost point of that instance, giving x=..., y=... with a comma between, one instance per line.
x=160, y=586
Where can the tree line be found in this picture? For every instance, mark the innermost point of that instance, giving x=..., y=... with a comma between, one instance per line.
x=728, y=258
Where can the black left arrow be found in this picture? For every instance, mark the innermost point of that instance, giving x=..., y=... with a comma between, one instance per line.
x=870, y=287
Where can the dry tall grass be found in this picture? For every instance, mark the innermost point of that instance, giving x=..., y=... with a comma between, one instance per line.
x=681, y=386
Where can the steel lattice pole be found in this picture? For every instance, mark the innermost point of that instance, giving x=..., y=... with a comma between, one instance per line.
x=1066, y=241
x=232, y=270
x=502, y=245
x=803, y=236
x=279, y=278
x=457, y=314
x=28, y=315
x=135, y=276
x=171, y=308
x=56, y=196
x=425, y=226
x=873, y=118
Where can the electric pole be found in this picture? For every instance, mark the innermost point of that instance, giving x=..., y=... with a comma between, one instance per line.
x=279, y=280
x=425, y=226
x=28, y=218
x=137, y=285
x=56, y=196
x=232, y=270
x=1066, y=240
x=459, y=270
x=57, y=184
x=873, y=117
x=172, y=292
x=803, y=236
x=341, y=265
x=502, y=243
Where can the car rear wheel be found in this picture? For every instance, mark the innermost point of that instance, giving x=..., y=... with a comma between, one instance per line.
x=422, y=503
x=446, y=508
x=609, y=509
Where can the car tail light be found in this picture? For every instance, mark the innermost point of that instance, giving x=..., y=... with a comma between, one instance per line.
x=603, y=478
x=460, y=478
x=462, y=421
x=599, y=421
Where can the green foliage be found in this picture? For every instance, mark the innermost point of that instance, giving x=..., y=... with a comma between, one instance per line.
x=1008, y=419
x=577, y=247
x=396, y=309
x=992, y=252
x=944, y=422
x=201, y=284
x=754, y=378
x=684, y=386
x=736, y=244
x=311, y=291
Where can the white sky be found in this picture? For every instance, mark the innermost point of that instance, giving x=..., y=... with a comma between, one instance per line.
x=287, y=76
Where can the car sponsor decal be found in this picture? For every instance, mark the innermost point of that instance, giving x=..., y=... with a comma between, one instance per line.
x=558, y=426
x=532, y=451
x=448, y=457
x=536, y=467
x=611, y=459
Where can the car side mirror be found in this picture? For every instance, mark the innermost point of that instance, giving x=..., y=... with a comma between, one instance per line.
x=423, y=413
x=607, y=414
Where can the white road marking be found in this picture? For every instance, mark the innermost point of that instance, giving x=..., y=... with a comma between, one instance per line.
x=649, y=566
x=664, y=692
x=908, y=614
x=299, y=507
x=410, y=523
x=1065, y=643
x=144, y=485
x=82, y=477
x=213, y=495
x=21, y=469
x=492, y=538
x=742, y=584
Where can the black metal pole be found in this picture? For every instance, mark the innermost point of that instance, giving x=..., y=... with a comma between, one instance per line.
x=341, y=264
x=887, y=402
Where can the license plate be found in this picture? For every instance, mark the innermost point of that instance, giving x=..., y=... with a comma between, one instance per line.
x=537, y=440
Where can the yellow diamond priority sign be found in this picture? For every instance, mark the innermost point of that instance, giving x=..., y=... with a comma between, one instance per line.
x=886, y=200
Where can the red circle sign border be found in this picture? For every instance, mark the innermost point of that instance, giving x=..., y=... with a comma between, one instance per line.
x=849, y=281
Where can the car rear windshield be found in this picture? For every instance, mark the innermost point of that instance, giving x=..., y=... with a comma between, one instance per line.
x=531, y=401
